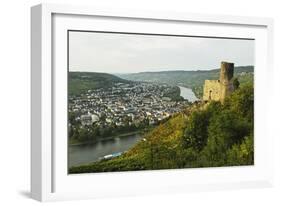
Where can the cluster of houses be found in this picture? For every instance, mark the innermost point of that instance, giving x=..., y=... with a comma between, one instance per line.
x=125, y=103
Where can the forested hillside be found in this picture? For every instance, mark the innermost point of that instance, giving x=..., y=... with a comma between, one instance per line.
x=203, y=135
x=80, y=82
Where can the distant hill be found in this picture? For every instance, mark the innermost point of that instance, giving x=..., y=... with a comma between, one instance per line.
x=80, y=82
x=191, y=79
x=180, y=76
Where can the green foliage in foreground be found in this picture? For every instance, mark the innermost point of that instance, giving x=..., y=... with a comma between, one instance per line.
x=209, y=135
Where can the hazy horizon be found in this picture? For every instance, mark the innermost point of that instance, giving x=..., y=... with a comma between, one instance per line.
x=147, y=71
x=116, y=53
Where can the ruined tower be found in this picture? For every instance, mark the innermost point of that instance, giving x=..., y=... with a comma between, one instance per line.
x=217, y=90
x=226, y=80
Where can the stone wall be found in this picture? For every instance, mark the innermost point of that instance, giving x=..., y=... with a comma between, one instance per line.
x=212, y=90
x=226, y=73
x=217, y=90
x=226, y=89
x=226, y=79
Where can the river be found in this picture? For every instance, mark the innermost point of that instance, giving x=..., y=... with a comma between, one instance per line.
x=84, y=154
x=187, y=94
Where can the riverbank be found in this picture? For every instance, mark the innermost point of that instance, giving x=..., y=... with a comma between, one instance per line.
x=83, y=153
x=77, y=143
x=187, y=94
x=205, y=135
x=86, y=153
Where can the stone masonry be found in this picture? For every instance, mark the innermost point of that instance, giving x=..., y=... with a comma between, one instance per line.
x=217, y=90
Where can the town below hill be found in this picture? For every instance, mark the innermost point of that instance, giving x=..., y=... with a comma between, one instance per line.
x=123, y=107
x=175, y=133
x=191, y=79
x=202, y=135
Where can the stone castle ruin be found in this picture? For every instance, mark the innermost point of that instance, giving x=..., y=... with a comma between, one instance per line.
x=217, y=90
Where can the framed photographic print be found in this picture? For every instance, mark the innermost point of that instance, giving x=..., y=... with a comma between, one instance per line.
x=134, y=102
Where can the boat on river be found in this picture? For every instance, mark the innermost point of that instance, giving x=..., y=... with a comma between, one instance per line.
x=110, y=156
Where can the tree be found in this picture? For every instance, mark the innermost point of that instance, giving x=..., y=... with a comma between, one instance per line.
x=242, y=102
x=196, y=132
x=72, y=118
x=236, y=83
x=84, y=134
x=242, y=154
x=102, y=117
x=225, y=130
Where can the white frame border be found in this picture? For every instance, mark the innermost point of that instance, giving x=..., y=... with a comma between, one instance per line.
x=42, y=85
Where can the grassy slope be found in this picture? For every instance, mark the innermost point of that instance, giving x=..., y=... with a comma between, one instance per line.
x=163, y=141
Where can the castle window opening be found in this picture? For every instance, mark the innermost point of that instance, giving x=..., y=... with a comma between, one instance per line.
x=217, y=90
x=210, y=94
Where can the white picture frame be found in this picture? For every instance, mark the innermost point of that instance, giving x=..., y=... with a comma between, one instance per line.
x=49, y=180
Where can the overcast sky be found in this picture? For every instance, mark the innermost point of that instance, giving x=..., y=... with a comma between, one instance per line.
x=130, y=53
